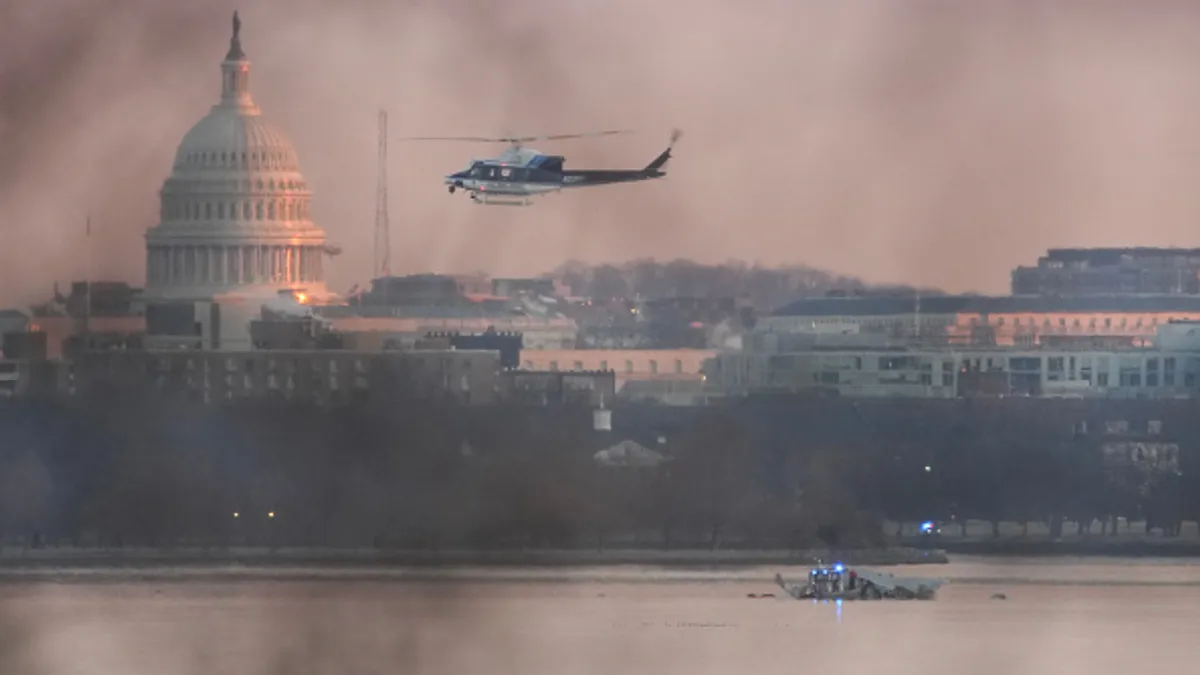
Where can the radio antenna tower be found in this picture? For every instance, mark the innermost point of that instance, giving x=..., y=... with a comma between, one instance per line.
x=383, y=245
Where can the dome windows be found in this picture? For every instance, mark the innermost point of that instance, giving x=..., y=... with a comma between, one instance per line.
x=271, y=210
x=258, y=210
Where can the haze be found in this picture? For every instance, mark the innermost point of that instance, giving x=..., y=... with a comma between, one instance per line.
x=934, y=143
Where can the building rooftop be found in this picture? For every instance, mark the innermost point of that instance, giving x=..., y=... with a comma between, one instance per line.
x=1112, y=256
x=968, y=304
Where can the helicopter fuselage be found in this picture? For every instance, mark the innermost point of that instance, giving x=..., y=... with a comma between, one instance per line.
x=520, y=174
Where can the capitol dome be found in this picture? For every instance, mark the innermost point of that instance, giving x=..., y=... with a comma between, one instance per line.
x=234, y=216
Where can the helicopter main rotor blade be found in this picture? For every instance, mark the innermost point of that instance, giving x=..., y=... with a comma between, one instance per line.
x=559, y=137
x=470, y=139
x=516, y=140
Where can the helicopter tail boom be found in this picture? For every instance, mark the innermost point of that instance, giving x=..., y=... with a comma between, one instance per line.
x=586, y=177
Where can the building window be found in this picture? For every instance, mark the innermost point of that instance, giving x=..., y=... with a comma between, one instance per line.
x=604, y=366
x=579, y=365
x=258, y=210
x=629, y=366
x=554, y=365
x=653, y=366
x=678, y=366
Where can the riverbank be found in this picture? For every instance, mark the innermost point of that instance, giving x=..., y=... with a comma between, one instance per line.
x=1118, y=547
x=65, y=558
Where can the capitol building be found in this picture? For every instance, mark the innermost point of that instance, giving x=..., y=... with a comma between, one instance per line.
x=234, y=229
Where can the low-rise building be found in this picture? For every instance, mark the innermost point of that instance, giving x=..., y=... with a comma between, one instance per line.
x=1169, y=368
x=590, y=388
x=320, y=376
x=1092, y=271
x=665, y=375
x=966, y=320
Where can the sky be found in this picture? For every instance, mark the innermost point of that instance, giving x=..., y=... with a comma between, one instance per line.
x=932, y=142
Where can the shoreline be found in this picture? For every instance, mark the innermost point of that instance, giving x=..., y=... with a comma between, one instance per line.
x=934, y=551
x=370, y=559
x=1090, y=548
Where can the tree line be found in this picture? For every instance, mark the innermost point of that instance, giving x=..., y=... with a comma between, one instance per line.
x=126, y=468
x=765, y=287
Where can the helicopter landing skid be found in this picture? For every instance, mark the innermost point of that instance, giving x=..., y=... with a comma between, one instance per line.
x=488, y=200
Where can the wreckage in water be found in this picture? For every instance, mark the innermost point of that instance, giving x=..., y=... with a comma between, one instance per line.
x=838, y=582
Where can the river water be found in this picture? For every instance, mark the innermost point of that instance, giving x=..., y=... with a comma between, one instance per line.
x=1061, y=617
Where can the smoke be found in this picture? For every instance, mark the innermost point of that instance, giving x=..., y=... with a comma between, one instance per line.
x=929, y=141
x=287, y=305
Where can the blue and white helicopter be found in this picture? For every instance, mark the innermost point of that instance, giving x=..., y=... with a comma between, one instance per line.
x=519, y=174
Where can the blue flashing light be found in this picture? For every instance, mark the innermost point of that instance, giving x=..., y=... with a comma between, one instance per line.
x=927, y=526
x=838, y=567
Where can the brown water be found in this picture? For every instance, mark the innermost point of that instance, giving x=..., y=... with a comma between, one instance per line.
x=1061, y=617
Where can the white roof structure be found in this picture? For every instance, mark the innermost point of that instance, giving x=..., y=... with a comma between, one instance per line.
x=629, y=454
x=235, y=209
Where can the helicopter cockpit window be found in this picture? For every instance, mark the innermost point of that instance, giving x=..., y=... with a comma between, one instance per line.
x=476, y=171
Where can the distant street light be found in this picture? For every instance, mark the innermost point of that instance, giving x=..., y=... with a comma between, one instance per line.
x=270, y=514
x=236, y=514
x=928, y=468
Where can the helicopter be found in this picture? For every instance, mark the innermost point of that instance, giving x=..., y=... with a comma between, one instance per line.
x=519, y=174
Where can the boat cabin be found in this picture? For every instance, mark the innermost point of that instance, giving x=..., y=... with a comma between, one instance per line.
x=831, y=579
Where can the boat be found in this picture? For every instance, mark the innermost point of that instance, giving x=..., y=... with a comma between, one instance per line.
x=839, y=582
